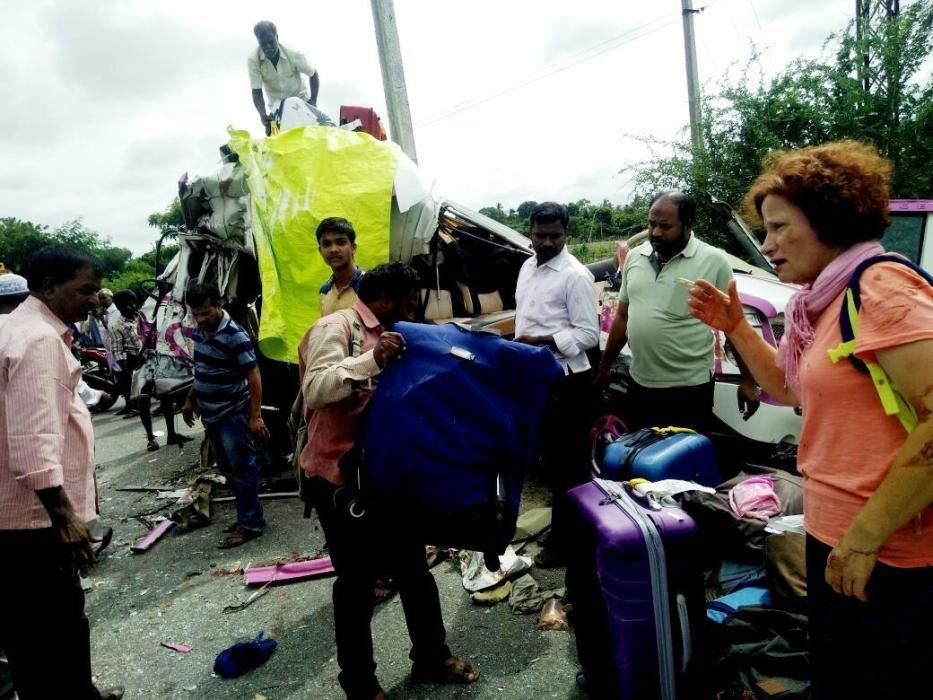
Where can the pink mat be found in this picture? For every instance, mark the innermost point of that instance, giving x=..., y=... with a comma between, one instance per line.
x=293, y=571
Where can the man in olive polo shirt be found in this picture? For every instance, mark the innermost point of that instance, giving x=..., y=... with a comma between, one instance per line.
x=672, y=353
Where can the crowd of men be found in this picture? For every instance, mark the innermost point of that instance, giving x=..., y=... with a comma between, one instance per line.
x=48, y=492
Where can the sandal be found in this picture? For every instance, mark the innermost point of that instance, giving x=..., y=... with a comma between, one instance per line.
x=453, y=670
x=384, y=589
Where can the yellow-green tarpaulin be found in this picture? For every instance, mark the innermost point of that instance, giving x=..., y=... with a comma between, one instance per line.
x=296, y=179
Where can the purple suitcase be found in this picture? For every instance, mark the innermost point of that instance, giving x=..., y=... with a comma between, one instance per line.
x=637, y=593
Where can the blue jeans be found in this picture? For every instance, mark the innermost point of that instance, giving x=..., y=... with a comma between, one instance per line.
x=235, y=452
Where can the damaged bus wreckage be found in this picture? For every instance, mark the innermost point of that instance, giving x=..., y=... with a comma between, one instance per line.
x=249, y=229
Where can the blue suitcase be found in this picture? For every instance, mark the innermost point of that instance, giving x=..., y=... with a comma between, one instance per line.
x=662, y=453
x=636, y=585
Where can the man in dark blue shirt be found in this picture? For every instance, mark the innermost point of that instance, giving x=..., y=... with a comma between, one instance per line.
x=227, y=393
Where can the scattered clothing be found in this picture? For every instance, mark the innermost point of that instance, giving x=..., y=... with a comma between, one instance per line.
x=527, y=596
x=755, y=498
x=244, y=656
x=723, y=607
x=491, y=596
x=476, y=577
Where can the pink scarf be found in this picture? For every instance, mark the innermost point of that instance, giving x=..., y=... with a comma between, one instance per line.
x=809, y=303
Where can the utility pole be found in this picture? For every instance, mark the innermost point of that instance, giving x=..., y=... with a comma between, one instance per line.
x=693, y=79
x=393, y=77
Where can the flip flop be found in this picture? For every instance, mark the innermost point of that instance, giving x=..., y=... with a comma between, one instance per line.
x=453, y=670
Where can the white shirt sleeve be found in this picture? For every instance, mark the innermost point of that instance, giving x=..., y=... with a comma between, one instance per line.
x=583, y=333
x=255, y=77
x=90, y=396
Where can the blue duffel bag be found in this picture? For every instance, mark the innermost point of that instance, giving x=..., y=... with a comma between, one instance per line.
x=451, y=430
x=661, y=453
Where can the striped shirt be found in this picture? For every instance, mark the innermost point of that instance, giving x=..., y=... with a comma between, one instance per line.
x=221, y=361
x=46, y=436
x=124, y=339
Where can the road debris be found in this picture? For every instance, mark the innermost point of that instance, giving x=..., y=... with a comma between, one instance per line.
x=146, y=542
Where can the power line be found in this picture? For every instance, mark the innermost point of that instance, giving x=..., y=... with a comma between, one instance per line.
x=582, y=56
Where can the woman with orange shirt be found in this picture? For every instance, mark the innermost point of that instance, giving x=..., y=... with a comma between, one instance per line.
x=868, y=483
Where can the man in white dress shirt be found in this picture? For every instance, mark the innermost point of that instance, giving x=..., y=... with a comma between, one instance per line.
x=556, y=308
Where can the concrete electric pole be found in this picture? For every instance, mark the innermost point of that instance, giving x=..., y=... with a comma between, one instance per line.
x=393, y=77
x=693, y=80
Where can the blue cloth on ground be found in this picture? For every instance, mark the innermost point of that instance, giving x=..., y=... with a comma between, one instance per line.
x=244, y=656
x=721, y=608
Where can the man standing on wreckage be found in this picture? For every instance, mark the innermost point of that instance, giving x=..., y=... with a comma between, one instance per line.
x=337, y=382
x=278, y=69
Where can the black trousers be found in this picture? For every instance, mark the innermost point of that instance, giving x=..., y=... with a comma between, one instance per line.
x=361, y=548
x=878, y=649
x=43, y=628
x=565, y=443
x=683, y=407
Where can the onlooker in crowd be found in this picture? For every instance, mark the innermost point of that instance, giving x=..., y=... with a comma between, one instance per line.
x=126, y=346
x=111, y=312
x=672, y=353
x=110, y=316
x=556, y=308
x=94, y=328
x=336, y=241
x=47, y=483
x=227, y=394
x=868, y=484
x=337, y=383
x=278, y=69
x=13, y=292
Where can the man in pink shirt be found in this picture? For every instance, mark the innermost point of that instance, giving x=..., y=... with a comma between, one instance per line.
x=47, y=484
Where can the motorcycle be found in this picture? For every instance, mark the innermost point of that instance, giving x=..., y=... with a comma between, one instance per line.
x=96, y=372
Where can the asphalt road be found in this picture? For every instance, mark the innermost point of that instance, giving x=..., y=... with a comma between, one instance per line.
x=173, y=593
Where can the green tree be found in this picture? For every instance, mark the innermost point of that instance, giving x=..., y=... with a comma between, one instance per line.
x=169, y=220
x=811, y=102
x=495, y=213
x=18, y=241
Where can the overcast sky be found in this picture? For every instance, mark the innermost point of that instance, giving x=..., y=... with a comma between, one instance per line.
x=106, y=103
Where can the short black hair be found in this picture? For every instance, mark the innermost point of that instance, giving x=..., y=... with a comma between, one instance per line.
x=392, y=280
x=124, y=299
x=264, y=26
x=336, y=224
x=58, y=263
x=202, y=293
x=548, y=213
x=686, y=206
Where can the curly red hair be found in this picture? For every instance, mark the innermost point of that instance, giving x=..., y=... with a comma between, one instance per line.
x=843, y=188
